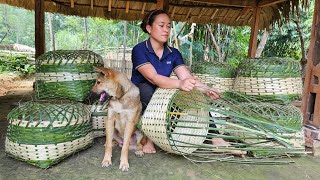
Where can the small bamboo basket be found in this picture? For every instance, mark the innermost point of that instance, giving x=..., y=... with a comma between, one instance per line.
x=43, y=133
x=273, y=79
x=66, y=74
x=99, y=114
x=217, y=75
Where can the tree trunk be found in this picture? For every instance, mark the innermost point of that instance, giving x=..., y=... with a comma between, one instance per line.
x=52, y=40
x=85, y=46
x=262, y=43
x=303, y=60
x=215, y=44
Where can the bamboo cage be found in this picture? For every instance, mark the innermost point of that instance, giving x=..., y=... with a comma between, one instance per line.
x=43, y=133
x=186, y=122
x=66, y=74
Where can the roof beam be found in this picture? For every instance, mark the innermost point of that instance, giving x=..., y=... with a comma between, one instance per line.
x=265, y=3
x=163, y=4
x=243, y=12
x=231, y=3
x=143, y=8
x=127, y=6
x=109, y=5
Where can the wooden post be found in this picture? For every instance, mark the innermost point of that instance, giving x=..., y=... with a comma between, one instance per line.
x=254, y=32
x=39, y=27
x=311, y=94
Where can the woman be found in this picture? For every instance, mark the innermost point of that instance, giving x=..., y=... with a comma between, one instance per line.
x=153, y=62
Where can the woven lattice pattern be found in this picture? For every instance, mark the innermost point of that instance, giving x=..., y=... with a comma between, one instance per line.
x=186, y=122
x=66, y=74
x=271, y=78
x=218, y=75
x=45, y=132
x=99, y=115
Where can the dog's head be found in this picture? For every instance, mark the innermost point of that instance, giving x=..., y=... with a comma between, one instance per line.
x=107, y=82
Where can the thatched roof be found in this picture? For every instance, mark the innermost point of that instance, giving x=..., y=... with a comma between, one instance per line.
x=229, y=12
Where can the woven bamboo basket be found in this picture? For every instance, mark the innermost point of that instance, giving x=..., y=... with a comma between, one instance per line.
x=273, y=79
x=45, y=132
x=186, y=123
x=218, y=75
x=99, y=115
x=66, y=74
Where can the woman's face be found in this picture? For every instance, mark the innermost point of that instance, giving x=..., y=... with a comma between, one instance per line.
x=160, y=28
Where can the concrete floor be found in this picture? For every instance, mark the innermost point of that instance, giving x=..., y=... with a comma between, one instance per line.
x=86, y=164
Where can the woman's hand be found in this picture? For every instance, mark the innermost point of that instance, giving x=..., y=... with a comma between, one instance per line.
x=187, y=84
x=211, y=92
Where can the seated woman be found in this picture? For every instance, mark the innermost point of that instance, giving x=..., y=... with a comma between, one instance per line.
x=153, y=62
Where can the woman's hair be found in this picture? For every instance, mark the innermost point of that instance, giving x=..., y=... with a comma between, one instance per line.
x=150, y=17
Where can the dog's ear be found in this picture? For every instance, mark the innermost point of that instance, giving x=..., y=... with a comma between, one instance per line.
x=119, y=91
x=104, y=71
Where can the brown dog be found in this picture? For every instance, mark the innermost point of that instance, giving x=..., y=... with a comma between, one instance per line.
x=123, y=113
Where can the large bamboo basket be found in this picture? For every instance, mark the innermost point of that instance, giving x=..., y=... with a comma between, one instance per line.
x=66, y=74
x=186, y=122
x=217, y=75
x=43, y=133
x=273, y=79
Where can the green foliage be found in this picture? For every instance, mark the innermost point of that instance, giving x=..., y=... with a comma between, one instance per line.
x=285, y=42
x=16, y=63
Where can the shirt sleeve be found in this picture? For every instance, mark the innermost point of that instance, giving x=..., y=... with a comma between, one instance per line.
x=178, y=60
x=139, y=58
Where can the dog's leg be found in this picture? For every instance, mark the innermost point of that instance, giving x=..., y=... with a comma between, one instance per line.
x=139, y=149
x=130, y=125
x=109, y=136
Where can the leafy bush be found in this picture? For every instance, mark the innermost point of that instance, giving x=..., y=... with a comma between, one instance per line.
x=16, y=63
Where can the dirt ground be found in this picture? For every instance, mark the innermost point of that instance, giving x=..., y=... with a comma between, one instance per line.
x=86, y=164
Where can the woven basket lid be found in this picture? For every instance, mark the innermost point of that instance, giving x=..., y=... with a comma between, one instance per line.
x=68, y=61
x=270, y=67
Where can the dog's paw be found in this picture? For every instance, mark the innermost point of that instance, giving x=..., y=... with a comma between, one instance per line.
x=106, y=163
x=124, y=166
x=139, y=153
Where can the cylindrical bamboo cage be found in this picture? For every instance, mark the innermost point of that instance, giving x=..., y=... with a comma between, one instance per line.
x=187, y=123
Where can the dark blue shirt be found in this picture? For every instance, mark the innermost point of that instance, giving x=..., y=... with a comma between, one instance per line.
x=143, y=53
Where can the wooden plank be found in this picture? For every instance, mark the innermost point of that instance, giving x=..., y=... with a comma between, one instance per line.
x=312, y=55
x=214, y=13
x=91, y=3
x=143, y=8
x=109, y=5
x=188, y=14
x=265, y=3
x=72, y=3
x=127, y=6
x=201, y=12
x=39, y=27
x=254, y=32
x=173, y=11
x=163, y=4
x=243, y=12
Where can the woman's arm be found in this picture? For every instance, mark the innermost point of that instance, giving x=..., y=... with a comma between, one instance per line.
x=186, y=83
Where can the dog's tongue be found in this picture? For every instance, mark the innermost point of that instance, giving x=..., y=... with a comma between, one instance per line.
x=103, y=97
